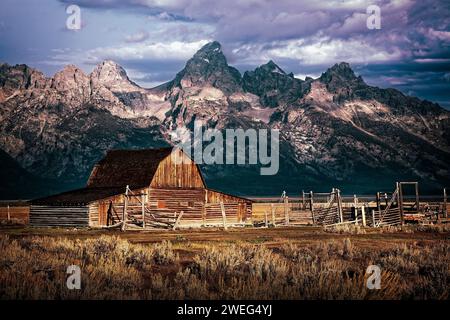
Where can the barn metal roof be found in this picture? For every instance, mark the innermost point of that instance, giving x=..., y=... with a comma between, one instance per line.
x=120, y=168
x=79, y=197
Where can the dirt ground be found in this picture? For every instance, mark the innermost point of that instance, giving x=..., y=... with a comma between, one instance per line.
x=268, y=236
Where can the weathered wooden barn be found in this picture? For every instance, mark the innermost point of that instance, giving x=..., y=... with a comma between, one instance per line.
x=142, y=188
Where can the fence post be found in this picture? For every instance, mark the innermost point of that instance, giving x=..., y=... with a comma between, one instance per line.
x=143, y=210
x=341, y=218
x=125, y=207
x=266, y=222
x=400, y=201
x=9, y=214
x=273, y=214
x=355, y=204
x=224, y=217
x=177, y=222
x=363, y=215
x=373, y=218
x=378, y=198
x=445, y=203
x=311, y=203
x=286, y=209
x=303, y=200
x=204, y=215
x=417, y=196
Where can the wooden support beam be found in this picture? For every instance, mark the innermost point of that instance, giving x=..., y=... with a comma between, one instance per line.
x=416, y=185
x=177, y=222
x=143, y=210
x=400, y=201
x=445, y=203
x=9, y=214
x=286, y=209
x=204, y=215
x=303, y=200
x=273, y=214
x=311, y=204
x=363, y=215
x=266, y=220
x=125, y=207
x=224, y=217
x=341, y=217
x=378, y=198
x=373, y=218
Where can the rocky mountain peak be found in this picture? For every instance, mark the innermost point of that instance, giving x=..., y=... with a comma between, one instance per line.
x=213, y=47
x=341, y=70
x=273, y=85
x=342, y=81
x=69, y=77
x=112, y=76
x=272, y=67
x=109, y=71
x=209, y=67
x=20, y=76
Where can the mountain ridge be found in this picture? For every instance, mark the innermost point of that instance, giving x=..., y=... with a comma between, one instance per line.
x=335, y=130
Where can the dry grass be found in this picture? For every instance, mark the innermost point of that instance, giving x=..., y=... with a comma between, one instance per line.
x=34, y=267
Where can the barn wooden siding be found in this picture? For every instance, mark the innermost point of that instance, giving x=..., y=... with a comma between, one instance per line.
x=16, y=213
x=59, y=216
x=177, y=171
x=243, y=206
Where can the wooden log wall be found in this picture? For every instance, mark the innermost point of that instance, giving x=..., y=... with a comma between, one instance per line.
x=16, y=214
x=54, y=216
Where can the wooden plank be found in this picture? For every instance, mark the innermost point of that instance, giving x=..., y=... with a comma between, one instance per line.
x=445, y=203
x=286, y=210
x=124, y=212
x=177, y=222
x=224, y=217
x=363, y=215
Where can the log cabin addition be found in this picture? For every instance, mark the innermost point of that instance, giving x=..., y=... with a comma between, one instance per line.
x=151, y=188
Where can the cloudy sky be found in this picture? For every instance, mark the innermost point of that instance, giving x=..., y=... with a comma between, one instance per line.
x=153, y=39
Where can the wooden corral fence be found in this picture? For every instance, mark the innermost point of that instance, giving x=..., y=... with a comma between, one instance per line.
x=396, y=209
x=391, y=214
x=281, y=213
x=15, y=212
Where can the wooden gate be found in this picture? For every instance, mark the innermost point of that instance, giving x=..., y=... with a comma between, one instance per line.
x=331, y=212
x=392, y=214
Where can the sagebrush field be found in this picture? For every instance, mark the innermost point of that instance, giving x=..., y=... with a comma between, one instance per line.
x=290, y=263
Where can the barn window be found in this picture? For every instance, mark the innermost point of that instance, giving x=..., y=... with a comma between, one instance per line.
x=161, y=204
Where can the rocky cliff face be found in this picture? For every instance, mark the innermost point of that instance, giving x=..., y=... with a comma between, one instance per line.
x=335, y=130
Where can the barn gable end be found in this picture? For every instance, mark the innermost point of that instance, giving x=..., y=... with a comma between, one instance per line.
x=177, y=170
